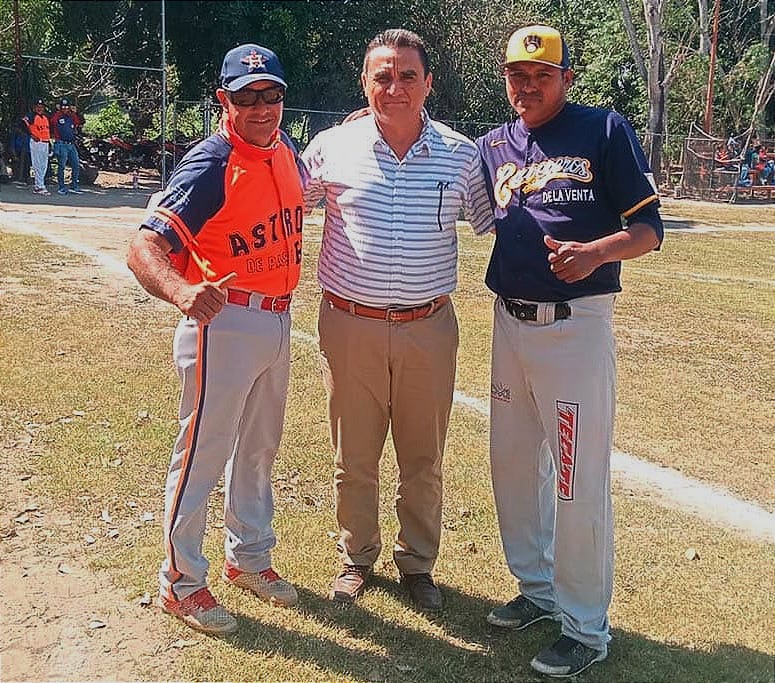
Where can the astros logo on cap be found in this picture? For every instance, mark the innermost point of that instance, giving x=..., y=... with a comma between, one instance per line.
x=254, y=61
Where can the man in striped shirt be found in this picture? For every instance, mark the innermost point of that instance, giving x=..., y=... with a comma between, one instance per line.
x=394, y=183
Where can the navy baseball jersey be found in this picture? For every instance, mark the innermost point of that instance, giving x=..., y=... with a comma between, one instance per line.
x=66, y=126
x=574, y=178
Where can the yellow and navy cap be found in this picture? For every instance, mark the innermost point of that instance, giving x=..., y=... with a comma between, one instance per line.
x=541, y=44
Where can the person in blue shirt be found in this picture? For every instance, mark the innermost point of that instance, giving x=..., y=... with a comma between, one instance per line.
x=66, y=125
x=19, y=152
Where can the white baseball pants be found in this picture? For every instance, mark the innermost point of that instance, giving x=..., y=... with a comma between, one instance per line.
x=234, y=374
x=39, y=161
x=551, y=432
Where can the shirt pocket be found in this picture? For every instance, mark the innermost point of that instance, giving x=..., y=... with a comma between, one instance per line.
x=447, y=203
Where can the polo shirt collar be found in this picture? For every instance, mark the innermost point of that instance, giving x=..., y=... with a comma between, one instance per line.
x=423, y=144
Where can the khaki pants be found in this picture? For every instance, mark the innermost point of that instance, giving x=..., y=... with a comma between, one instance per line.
x=379, y=374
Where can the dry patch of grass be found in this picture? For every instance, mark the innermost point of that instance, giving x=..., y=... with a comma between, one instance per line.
x=696, y=372
x=719, y=213
x=105, y=410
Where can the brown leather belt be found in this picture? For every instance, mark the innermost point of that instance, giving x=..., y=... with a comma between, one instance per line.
x=275, y=304
x=392, y=315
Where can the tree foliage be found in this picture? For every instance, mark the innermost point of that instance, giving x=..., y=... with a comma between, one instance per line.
x=82, y=50
x=110, y=120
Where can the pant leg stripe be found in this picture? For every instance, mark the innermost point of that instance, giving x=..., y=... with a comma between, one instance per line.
x=188, y=458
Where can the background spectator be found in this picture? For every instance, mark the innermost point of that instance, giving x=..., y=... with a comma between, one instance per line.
x=66, y=124
x=19, y=152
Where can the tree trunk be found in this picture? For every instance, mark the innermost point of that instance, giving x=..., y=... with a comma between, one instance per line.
x=765, y=88
x=633, y=38
x=704, y=47
x=654, y=11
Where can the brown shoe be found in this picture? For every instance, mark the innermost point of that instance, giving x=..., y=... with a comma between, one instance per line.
x=423, y=592
x=348, y=586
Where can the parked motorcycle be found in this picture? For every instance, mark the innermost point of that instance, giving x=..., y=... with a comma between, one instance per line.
x=122, y=156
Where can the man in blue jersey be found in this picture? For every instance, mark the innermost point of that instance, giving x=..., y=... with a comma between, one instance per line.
x=394, y=183
x=563, y=178
x=66, y=124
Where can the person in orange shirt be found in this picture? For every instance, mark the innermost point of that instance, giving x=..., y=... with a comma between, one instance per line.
x=40, y=136
x=223, y=244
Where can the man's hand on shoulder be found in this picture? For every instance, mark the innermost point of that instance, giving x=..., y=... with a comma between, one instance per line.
x=357, y=114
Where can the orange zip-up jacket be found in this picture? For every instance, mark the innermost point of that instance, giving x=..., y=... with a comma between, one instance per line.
x=233, y=207
x=38, y=126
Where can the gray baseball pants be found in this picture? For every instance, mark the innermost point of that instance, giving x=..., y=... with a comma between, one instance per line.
x=551, y=432
x=234, y=375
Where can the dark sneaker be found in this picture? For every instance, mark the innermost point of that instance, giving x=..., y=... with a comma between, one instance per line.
x=424, y=593
x=565, y=658
x=62, y=190
x=349, y=585
x=76, y=190
x=520, y=613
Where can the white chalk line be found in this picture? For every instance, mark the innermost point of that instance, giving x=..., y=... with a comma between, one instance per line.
x=665, y=485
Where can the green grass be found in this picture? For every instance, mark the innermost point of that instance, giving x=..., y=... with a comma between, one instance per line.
x=718, y=213
x=95, y=374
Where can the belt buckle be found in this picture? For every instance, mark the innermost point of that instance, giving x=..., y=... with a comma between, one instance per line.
x=393, y=315
x=279, y=304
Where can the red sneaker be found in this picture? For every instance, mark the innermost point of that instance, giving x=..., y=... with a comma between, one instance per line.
x=201, y=612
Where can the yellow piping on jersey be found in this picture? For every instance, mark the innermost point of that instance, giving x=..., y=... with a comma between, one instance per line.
x=640, y=205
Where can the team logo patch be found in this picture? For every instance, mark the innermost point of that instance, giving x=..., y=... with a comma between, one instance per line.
x=532, y=43
x=567, y=434
x=254, y=61
x=500, y=392
x=528, y=179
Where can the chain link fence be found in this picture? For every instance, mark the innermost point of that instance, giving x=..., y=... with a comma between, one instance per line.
x=300, y=124
x=697, y=166
x=715, y=169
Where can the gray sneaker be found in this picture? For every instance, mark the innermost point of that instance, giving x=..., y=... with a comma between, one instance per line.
x=520, y=613
x=565, y=658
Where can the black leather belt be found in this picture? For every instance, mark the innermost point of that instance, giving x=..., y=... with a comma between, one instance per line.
x=524, y=311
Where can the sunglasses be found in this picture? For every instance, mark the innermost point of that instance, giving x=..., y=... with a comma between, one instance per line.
x=248, y=98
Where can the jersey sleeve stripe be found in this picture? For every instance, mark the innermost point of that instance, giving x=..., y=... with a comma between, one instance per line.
x=177, y=224
x=640, y=205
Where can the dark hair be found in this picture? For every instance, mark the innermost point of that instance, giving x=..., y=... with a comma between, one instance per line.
x=398, y=37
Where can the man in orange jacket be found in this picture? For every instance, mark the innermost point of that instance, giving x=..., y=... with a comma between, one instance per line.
x=40, y=136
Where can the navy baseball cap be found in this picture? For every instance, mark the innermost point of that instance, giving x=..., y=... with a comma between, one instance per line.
x=64, y=102
x=39, y=101
x=249, y=63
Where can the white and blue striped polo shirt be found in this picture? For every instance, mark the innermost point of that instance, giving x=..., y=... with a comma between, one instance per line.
x=389, y=237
